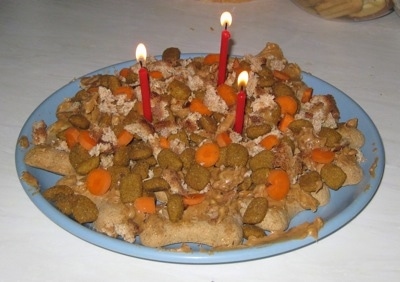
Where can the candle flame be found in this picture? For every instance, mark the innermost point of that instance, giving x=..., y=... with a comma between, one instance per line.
x=243, y=78
x=141, y=53
x=226, y=19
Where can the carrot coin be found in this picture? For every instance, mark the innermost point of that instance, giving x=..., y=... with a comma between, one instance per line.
x=98, y=181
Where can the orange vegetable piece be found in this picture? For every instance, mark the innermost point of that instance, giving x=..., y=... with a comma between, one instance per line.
x=322, y=156
x=223, y=139
x=124, y=90
x=145, y=204
x=139, y=107
x=98, y=181
x=281, y=75
x=227, y=93
x=211, y=59
x=197, y=105
x=269, y=141
x=124, y=138
x=86, y=140
x=207, y=154
x=193, y=199
x=288, y=104
x=71, y=136
x=279, y=184
x=125, y=72
x=164, y=142
x=285, y=121
x=307, y=94
x=156, y=74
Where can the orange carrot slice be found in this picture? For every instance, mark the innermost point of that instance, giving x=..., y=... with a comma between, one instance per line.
x=197, y=105
x=285, y=121
x=227, y=93
x=223, y=139
x=124, y=90
x=164, y=142
x=125, y=72
x=193, y=199
x=98, y=181
x=145, y=204
x=288, y=104
x=269, y=141
x=307, y=94
x=71, y=136
x=124, y=138
x=281, y=75
x=207, y=154
x=322, y=156
x=156, y=74
x=211, y=59
x=86, y=140
x=279, y=184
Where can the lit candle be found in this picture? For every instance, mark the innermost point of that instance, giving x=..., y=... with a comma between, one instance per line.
x=141, y=55
x=241, y=101
x=226, y=20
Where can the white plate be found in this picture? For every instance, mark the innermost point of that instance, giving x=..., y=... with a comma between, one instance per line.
x=344, y=205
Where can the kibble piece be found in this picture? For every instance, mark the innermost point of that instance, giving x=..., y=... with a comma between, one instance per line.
x=293, y=70
x=297, y=125
x=121, y=156
x=113, y=82
x=266, y=77
x=79, y=121
x=65, y=204
x=140, y=151
x=236, y=155
x=281, y=89
x=259, y=176
x=208, y=123
x=255, y=131
x=53, y=192
x=263, y=159
x=252, y=231
x=155, y=184
x=179, y=90
x=310, y=181
x=169, y=159
x=196, y=138
x=84, y=209
x=332, y=136
x=197, y=177
x=171, y=55
x=181, y=136
x=131, y=188
x=141, y=168
x=86, y=166
x=245, y=185
x=77, y=155
x=333, y=176
x=187, y=157
x=175, y=207
x=256, y=211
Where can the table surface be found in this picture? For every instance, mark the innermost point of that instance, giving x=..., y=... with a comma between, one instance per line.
x=45, y=44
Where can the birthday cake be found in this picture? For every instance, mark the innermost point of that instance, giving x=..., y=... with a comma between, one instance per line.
x=197, y=170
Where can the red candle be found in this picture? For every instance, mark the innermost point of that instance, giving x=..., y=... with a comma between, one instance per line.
x=241, y=102
x=226, y=20
x=144, y=82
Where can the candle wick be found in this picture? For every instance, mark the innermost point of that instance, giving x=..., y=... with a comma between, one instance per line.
x=226, y=26
x=141, y=64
